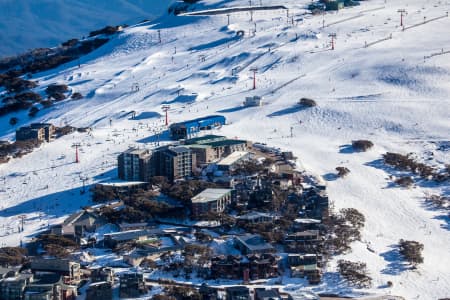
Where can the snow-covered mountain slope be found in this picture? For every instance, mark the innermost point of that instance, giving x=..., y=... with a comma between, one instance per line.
x=387, y=93
x=46, y=23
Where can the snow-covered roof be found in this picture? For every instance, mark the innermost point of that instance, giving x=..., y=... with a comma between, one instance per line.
x=209, y=195
x=233, y=158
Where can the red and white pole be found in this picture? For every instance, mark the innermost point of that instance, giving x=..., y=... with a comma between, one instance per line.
x=166, y=108
x=333, y=36
x=77, y=158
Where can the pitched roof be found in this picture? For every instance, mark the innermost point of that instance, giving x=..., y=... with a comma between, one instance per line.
x=233, y=158
x=254, y=242
x=254, y=215
x=210, y=195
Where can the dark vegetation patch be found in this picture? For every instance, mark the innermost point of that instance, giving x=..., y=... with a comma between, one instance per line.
x=15, y=71
x=307, y=102
x=355, y=273
x=411, y=251
x=76, y=96
x=107, y=30
x=343, y=228
x=56, y=245
x=33, y=111
x=12, y=256
x=362, y=145
x=342, y=171
x=438, y=202
x=140, y=205
x=20, y=101
x=408, y=163
x=405, y=181
x=18, y=149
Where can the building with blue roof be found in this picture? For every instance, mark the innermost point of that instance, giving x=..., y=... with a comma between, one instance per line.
x=188, y=129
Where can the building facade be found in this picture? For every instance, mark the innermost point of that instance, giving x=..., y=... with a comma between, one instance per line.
x=132, y=285
x=210, y=200
x=40, y=132
x=134, y=165
x=173, y=162
x=210, y=148
x=101, y=290
x=64, y=267
x=188, y=129
x=253, y=101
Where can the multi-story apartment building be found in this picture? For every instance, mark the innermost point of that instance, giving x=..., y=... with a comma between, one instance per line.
x=37, y=131
x=173, y=162
x=134, y=165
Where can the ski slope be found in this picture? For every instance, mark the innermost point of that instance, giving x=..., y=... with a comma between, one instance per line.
x=387, y=93
x=47, y=23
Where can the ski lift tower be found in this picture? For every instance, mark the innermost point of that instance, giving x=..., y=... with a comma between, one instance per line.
x=165, y=108
x=333, y=37
x=76, y=146
x=403, y=13
x=83, y=179
x=254, y=70
x=22, y=221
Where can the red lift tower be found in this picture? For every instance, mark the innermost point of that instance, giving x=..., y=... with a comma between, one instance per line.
x=402, y=13
x=76, y=146
x=254, y=70
x=333, y=37
x=165, y=109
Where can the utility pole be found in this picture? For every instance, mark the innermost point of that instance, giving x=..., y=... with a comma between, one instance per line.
x=254, y=70
x=323, y=20
x=333, y=37
x=76, y=145
x=165, y=109
x=292, y=131
x=228, y=16
x=402, y=12
x=159, y=35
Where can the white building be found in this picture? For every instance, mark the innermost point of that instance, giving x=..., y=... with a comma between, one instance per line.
x=210, y=200
x=253, y=101
x=233, y=160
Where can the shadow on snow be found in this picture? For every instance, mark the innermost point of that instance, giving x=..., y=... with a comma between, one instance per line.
x=287, y=111
x=232, y=109
x=396, y=265
x=156, y=138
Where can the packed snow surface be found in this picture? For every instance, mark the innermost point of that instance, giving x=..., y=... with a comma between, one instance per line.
x=389, y=93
